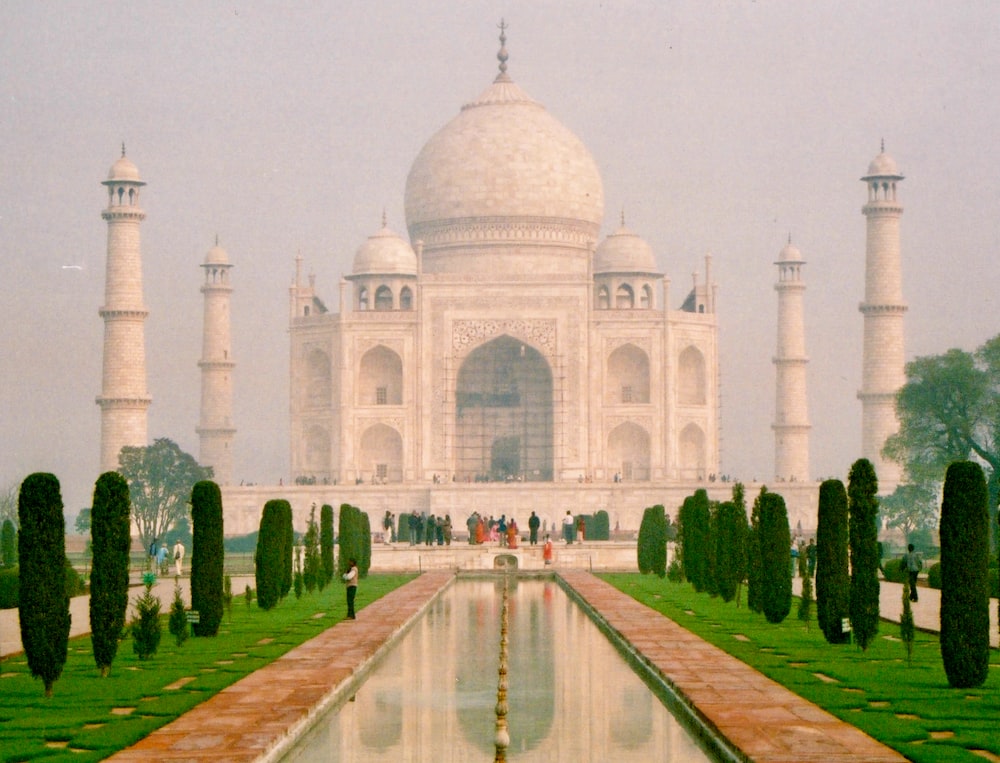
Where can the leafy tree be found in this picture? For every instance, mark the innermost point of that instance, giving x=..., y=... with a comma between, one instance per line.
x=753, y=555
x=949, y=410
x=651, y=547
x=160, y=477
x=311, y=568
x=208, y=555
x=270, y=554
x=83, y=520
x=8, y=502
x=730, y=548
x=110, y=533
x=177, y=624
x=43, y=603
x=965, y=591
x=8, y=544
x=146, y=628
x=326, y=544
x=910, y=508
x=287, y=549
x=862, y=508
x=833, y=582
x=775, y=538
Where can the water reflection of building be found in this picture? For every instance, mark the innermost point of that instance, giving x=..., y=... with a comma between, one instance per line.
x=571, y=697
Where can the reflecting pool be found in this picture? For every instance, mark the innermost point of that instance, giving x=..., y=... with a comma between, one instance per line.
x=571, y=696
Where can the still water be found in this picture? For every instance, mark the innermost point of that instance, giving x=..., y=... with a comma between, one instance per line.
x=571, y=696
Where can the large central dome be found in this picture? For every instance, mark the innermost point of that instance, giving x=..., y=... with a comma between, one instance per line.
x=504, y=174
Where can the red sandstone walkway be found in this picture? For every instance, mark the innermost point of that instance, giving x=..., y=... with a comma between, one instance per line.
x=768, y=723
x=254, y=715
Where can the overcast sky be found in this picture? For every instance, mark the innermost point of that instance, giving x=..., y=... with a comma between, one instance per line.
x=719, y=127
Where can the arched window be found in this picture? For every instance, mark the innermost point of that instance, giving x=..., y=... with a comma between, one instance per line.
x=624, y=297
x=383, y=298
x=381, y=455
x=380, y=378
x=318, y=386
x=603, y=298
x=646, y=297
x=692, y=452
x=362, y=298
x=691, y=381
x=405, y=299
x=628, y=452
x=628, y=376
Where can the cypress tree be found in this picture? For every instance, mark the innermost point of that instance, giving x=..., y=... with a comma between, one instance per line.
x=352, y=534
x=862, y=509
x=326, y=544
x=311, y=570
x=730, y=548
x=365, y=544
x=270, y=554
x=965, y=592
x=177, y=623
x=287, y=549
x=833, y=583
x=110, y=533
x=43, y=605
x=775, y=558
x=742, y=564
x=753, y=555
x=208, y=555
x=8, y=543
x=711, y=584
x=651, y=547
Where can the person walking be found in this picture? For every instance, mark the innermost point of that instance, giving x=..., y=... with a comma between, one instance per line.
x=533, y=523
x=161, y=559
x=351, y=578
x=568, y=528
x=913, y=564
x=178, y=556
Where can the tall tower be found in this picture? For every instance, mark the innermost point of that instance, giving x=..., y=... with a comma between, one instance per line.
x=215, y=429
x=791, y=410
x=883, y=366
x=123, y=399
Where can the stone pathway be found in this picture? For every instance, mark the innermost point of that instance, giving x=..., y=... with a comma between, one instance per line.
x=253, y=718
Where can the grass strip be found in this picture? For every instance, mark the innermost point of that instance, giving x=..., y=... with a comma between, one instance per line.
x=88, y=717
x=908, y=707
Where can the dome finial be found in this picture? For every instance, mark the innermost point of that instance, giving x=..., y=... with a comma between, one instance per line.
x=502, y=54
x=385, y=221
x=623, y=215
x=883, y=145
x=789, y=237
x=123, y=148
x=216, y=239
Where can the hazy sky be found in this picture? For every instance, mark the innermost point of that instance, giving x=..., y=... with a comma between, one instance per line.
x=719, y=126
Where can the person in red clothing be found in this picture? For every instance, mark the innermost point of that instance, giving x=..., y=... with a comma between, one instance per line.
x=580, y=527
x=547, y=550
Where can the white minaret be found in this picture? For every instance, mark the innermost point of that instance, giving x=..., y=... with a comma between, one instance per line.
x=883, y=370
x=215, y=429
x=123, y=399
x=791, y=410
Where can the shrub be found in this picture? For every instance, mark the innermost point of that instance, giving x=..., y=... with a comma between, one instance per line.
x=934, y=576
x=326, y=544
x=651, y=548
x=600, y=528
x=75, y=584
x=833, y=583
x=43, y=604
x=895, y=571
x=208, y=556
x=269, y=556
x=110, y=527
x=862, y=508
x=146, y=628
x=730, y=545
x=177, y=624
x=8, y=544
x=8, y=588
x=965, y=614
x=675, y=573
x=775, y=558
x=806, y=600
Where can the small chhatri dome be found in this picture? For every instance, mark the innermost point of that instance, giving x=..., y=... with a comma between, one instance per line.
x=883, y=165
x=624, y=252
x=216, y=255
x=124, y=169
x=385, y=253
x=790, y=253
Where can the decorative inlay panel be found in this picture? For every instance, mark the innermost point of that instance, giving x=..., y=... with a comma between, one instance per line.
x=468, y=334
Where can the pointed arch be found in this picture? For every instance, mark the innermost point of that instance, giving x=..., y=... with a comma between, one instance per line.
x=627, y=377
x=317, y=455
x=603, y=298
x=691, y=377
x=692, y=452
x=628, y=452
x=624, y=297
x=406, y=298
x=318, y=378
x=380, y=377
x=380, y=458
x=383, y=298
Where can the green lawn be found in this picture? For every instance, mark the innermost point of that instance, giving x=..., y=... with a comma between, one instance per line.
x=910, y=708
x=89, y=718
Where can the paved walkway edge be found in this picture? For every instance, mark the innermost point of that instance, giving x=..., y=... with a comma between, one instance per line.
x=260, y=716
x=762, y=721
